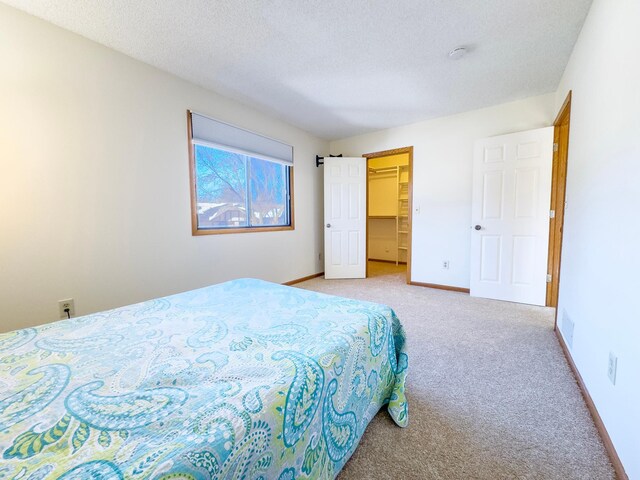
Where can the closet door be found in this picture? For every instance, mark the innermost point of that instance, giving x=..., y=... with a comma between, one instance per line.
x=345, y=217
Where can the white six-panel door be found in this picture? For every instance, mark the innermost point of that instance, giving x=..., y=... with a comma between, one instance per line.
x=345, y=217
x=510, y=216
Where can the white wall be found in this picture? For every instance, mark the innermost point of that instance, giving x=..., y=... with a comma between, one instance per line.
x=442, y=169
x=94, y=186
x=383, y=194
x=383, y=242
x=600, y=275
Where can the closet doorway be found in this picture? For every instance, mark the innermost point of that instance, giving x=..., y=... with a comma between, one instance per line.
x=389, y=189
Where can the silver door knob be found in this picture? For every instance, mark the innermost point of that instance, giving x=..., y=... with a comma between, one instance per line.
x=478, y=227
x=328, y=225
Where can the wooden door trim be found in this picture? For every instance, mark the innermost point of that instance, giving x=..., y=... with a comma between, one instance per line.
x=558, y=194
x=565, y=110
x=387, y=153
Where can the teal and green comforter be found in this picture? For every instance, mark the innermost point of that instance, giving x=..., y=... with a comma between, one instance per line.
x=245, y=379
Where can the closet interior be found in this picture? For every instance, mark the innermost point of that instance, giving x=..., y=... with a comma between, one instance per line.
x=388, y=217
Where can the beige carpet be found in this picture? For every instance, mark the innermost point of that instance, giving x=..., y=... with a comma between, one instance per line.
x=490, y=393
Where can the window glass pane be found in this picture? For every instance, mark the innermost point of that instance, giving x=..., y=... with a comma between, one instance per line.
x=269, y=191
x=221, y=188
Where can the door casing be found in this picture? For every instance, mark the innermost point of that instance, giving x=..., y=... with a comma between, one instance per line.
x=558, y=198
x=386, y=153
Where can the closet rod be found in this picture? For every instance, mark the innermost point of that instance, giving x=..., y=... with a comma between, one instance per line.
x=382, y=170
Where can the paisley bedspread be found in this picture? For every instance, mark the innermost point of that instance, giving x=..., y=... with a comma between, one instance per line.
x=244, y=379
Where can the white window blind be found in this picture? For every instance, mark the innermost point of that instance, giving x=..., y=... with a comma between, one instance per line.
x=214, y=133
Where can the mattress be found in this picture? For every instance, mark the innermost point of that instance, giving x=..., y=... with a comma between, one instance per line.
x=245, y=379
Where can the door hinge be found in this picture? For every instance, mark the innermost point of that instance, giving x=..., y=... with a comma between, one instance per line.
x=552, y=214
x=555, y=147
x=549, y=278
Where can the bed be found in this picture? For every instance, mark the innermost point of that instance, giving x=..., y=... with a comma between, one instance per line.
x=245, y=379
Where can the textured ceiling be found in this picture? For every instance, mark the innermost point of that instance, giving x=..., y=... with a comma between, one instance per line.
x=338, y=68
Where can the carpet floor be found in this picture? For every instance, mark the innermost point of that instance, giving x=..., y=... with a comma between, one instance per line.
x=490, y=393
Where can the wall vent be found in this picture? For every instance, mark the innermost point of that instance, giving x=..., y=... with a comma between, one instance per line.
x=566, y=328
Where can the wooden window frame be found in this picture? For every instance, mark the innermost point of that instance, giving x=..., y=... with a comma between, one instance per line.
x=195, y=231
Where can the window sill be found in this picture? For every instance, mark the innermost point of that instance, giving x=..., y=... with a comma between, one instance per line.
x=222, y=231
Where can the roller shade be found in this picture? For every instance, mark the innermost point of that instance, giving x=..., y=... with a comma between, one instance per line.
x=207, y=131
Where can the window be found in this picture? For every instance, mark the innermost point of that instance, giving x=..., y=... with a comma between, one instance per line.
x=240, y=180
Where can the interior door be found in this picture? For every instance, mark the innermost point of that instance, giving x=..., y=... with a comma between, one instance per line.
x=345, y=217
x=510, y=216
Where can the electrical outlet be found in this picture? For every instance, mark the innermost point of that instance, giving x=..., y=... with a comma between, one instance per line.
x=63, y=305
x=445, y=264
x=613, y=367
